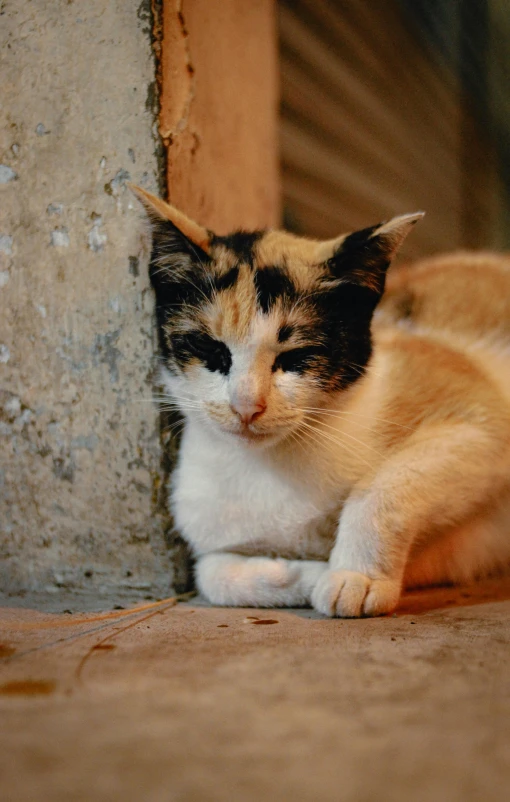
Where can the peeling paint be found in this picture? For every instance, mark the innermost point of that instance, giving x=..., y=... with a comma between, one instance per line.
x=55, y=208
x=115, y=305
x=88, y=442
x=106, y=353
x=4, y=277
x=177, y=118
x=63, y=468
x=6, y=244
x=151, y=101
x=59, y=238
x=118, y=183
x=25, y=418
x=96, y=239
x=41, y=130
x=134, y=265
x=12, y=407
x=7, y=174
x=144, y=15
x=5, y=354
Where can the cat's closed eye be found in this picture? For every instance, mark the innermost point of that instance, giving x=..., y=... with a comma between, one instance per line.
x=214, y=354
x=297, y=359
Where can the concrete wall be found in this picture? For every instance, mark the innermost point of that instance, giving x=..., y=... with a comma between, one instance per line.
x=82, y=473
x=79, y=438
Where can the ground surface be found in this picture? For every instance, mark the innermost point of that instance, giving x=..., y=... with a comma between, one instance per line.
x=186, y=702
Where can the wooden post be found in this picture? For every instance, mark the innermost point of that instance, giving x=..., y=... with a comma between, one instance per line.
x=219, y=111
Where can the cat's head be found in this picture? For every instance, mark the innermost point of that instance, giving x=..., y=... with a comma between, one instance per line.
x=258, y=328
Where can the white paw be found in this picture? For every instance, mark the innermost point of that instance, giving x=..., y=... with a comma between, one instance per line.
x=241, y=581
x=272, y=573
x=348, y=594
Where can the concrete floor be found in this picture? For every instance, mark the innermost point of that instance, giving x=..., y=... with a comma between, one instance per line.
x=188, y=703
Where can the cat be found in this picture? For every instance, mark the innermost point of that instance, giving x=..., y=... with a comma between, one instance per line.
x=337, y=447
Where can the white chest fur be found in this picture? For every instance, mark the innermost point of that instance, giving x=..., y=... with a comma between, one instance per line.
x=226, y=496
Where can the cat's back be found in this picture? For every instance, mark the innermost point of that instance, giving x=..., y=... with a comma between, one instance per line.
x=461, y=303
x=464, y=294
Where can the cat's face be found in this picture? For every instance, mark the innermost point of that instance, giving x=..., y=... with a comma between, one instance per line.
x=258, y=329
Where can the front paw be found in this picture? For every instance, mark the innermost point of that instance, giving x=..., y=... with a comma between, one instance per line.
x=348, y=594
x=237, y=581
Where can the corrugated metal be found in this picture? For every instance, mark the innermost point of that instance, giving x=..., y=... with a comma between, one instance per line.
x=372, y=125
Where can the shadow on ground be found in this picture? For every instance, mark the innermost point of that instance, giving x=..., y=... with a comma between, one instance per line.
x=424, y=600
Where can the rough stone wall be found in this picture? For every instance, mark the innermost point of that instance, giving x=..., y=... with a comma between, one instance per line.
x=79, y=437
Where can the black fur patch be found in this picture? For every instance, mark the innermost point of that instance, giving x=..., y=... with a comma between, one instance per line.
x=362, y=258
x=227, y=280
x=179, y=274
x=298, y=359
x=271, y=284
x=197, y=344
x=241, y=243
x=285, y=332
x=178, y=267
x=341, y=336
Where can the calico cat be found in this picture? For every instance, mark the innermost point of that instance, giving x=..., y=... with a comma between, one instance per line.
x=332, y=456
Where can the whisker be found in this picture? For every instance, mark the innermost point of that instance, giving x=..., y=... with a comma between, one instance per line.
x=167, y=404
x=297, y=437
x=314, y=412
x=172, y=429
x=338, y=442
x=173, y=397
x=173, y=401
x=351, y=437
x=318, y=437
x=320, y=411
x=363, y=369
x=327, y=436
x=307, y=438
x=179, y=409
x=161, y=396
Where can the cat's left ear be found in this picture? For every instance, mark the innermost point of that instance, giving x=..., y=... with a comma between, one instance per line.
x=161, y=214
x=180, y=252
x=362, y=258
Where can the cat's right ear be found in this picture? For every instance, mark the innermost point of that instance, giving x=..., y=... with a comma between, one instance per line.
x=180, y=247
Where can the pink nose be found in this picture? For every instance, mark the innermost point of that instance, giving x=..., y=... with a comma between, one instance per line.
x=249, y=412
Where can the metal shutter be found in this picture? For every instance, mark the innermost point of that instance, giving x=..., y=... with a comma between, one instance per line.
x=376, y=121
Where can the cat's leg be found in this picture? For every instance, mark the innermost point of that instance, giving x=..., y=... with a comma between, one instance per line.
x=430, y=486
x=236, y=581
